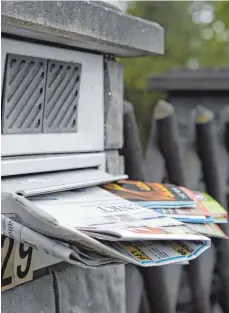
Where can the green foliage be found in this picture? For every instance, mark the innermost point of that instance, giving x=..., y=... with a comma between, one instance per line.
x=186, y=42
x=222, y=12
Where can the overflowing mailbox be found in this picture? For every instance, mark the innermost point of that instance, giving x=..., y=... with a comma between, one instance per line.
x=54, y=126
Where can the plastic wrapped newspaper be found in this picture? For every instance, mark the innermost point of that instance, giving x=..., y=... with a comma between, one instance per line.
x=92, y=227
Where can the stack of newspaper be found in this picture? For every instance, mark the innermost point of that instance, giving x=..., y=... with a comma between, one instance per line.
x=197, y=210
x=110, y=224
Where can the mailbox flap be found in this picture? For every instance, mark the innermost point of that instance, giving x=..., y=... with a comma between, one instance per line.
x=35, y=184
x=48, y=95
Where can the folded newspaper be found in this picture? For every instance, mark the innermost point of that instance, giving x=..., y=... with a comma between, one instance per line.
x=93, y=227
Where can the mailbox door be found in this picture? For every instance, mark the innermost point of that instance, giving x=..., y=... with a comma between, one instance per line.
x=53, y=99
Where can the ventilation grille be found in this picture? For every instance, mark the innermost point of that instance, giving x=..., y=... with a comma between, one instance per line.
x=60, y=114
x=40, y=96
x=23, y=96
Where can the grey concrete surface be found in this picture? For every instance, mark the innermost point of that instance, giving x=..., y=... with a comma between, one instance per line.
x=113, y=102
x=115, y=162
x=83, y=24
x=33, y=297
x=134, y=289
x=99, y=290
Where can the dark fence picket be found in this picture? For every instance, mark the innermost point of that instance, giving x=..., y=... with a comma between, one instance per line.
x=134, y=168
x=154, y=278
x=169, y=143
x=132, y=150
x=170, y=146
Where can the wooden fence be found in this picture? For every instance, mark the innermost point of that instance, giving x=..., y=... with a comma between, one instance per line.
x=203, y=285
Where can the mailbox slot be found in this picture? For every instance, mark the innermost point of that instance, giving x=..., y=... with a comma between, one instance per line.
x=19, y=165
x=35, y=184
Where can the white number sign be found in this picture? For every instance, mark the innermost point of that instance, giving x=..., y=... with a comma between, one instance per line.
x=17, y=263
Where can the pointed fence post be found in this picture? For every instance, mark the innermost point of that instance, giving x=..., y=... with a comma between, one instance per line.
x=134, y=163
x=169, y=143
x=134, y=167
x=155, y=285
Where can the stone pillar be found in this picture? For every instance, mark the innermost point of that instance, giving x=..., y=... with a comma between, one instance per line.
x=91, y=27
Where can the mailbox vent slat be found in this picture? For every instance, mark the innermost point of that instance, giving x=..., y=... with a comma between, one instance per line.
x=40, y=95
x=61, y=100
x=23, y=94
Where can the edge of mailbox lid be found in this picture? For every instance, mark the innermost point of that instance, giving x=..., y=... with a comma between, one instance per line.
x=31, y=164
x=42, y=183
x=83, y=24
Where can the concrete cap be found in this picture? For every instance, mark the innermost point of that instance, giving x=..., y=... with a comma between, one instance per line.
x=91, y=25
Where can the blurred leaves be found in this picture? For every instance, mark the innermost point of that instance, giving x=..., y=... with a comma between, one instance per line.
x=222, y=12
x=187, y=43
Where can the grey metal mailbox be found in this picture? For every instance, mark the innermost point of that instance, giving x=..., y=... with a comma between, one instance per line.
x=62, y=110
